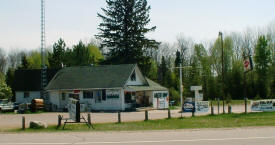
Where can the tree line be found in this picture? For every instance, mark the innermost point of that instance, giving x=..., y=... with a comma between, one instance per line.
x=122, y=40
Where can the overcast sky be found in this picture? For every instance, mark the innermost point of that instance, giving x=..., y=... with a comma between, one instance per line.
x=75, y=20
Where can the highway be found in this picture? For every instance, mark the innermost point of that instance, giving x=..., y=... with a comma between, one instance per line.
x=234, y=136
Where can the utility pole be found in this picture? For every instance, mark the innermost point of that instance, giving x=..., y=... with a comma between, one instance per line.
x=181, y=100
x=220, y=34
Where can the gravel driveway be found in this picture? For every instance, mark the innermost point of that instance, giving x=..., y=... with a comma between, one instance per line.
x=14, y=120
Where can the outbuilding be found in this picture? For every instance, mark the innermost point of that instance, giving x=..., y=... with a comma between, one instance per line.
x=106, y=87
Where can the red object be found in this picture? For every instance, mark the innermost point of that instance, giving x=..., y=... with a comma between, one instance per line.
x=76, y=91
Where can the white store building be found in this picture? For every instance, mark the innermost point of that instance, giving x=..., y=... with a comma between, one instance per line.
x=107, y=87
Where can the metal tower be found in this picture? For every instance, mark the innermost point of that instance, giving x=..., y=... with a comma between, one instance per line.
x=43, y=66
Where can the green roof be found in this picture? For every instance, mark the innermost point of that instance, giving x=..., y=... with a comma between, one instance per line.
x=153, y=86
x=85, y=77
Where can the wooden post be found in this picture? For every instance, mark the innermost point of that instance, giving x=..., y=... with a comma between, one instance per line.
x=118, y=117
x=218, y=105
x=89, y=119
x=229, y=109
x=169, y=114
x=59, y=121
x=212, y=110
x=146, y=115
x=245, y=101
x=193, y=111
x=23, y=122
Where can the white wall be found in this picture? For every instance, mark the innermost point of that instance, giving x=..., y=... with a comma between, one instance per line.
x=108, y=104
x=54, y=99
x=19, y=96
x=140, y=80
x=157, y=101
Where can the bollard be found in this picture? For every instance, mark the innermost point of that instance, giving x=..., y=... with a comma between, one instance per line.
x=229, y=109
x=212, y=110
x=119, y=117
x=169, y=114
x=218, y=105
x=23, y=122
x=146, y=115
x=89, y=119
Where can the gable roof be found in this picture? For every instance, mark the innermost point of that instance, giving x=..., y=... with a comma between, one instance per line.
x=152, y=86
x=85, y=77
x=30, y=79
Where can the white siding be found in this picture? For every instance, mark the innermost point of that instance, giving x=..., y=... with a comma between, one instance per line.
x=89, y=103
x=110, y=103
x=140, y=80
x=19, y=96
x=160, y=103
x=54, y=99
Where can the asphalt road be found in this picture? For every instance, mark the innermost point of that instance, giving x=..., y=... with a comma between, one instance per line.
x=235, y=136
x=8, y=121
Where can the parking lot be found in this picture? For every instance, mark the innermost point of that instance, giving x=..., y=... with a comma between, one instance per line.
x=14, y=120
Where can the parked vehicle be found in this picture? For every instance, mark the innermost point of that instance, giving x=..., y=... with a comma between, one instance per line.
x=4, y=107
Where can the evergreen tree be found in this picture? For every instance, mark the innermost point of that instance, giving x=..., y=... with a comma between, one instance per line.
x=57, y=57
x=262, y=60
x=24, y=62
x=123, y=30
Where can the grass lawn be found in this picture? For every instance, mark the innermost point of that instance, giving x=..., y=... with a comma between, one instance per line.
x=217, y=121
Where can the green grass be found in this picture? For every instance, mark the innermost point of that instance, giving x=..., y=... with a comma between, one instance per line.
x=216, y=121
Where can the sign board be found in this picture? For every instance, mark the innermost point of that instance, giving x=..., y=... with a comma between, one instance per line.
x=74, y=109
x=112, y=94
x=196, y=88
x=263, y=105
x=202, y=106
x=247, y=63
x=188, y=106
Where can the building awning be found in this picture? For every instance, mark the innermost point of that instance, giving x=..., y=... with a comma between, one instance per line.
x=152, y=86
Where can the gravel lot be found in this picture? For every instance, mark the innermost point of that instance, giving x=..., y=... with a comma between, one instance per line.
x=14, y=120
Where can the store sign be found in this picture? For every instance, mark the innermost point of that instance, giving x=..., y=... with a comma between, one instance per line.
x=202, y=106
x=188, y=106
x=112, y=94
x=263, y=105
x=74, y=109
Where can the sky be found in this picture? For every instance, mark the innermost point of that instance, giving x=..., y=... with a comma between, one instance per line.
x=74, y=20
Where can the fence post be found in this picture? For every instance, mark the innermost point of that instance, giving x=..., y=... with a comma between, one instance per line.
x=245, y=105
x=118, y=117
x=146, y=115
x=23, y=122
x=212, y=110
x=89, y=119
x=229, y=109
x=59, y=121
x=218, y=105
x=193, y=111
x=169, y=113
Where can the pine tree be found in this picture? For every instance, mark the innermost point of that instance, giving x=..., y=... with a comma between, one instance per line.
x=262, y=60
x=57, y=57
x=123, y=30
